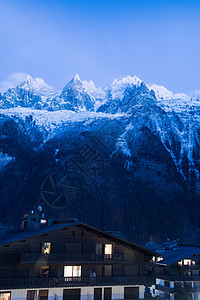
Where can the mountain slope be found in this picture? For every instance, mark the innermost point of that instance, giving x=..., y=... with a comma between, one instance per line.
x=130, y=151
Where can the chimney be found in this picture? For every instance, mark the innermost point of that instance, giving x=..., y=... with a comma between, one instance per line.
x=34, y=221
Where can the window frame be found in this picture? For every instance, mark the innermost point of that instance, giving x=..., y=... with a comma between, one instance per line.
x=72, y=269
x=43, y=248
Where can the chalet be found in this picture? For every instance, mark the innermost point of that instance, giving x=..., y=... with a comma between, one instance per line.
x=67, y=259
x=177, y=271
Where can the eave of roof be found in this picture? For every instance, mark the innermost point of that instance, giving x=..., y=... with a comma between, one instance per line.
x=184, y=252
x=147, y=251
x=19, y=236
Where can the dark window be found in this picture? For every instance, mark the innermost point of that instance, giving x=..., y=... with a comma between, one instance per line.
x=167, y=283
x=104, y=249
x=43, y=295
x=131, y=293
x=71, y=294
x=44, y=271
x=98, y=294
x=83, y=233
x=73, y=233
x=107, y=293
x=31, y=295
x=99, y=249
x=107, y=270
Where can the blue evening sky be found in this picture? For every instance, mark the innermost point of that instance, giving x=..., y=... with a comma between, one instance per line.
x=159, y=41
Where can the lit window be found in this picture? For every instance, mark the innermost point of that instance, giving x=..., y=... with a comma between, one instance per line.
x=46, y=248
x=108, y=249
x=187, y=262
x=43, y=221
x=45, y=271
x=72, y=271
x=4, y=296
x=159, y=258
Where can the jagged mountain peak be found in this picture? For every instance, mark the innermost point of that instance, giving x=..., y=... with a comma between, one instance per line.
x=127, y=80
x=84, y=87
x=118, y=86
x=27, y=82
x=75, y=82
x=76, y=77
x=36, y=85
x=162, y=93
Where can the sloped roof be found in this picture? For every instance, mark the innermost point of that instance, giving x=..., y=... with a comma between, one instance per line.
x=21, y=235
x=181, y=252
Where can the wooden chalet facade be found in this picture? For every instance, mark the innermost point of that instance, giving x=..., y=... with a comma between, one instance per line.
x=68, y=259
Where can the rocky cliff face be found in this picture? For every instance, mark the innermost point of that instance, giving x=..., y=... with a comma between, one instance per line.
x=125, y=157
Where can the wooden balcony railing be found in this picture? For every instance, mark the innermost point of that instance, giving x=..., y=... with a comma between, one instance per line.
x=26, y=258
x=22, y=283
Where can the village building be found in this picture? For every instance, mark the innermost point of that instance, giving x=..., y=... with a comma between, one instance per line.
x=67, y=259
x=177, y=271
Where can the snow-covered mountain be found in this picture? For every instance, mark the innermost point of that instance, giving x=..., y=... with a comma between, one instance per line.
x=153, y=106
x=32, y=93
x=150, y=132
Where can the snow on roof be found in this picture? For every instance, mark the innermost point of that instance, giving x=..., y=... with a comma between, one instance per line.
x=173, y=252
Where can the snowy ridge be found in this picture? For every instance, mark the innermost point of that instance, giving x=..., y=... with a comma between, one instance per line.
x=50, y=121
x=164, y=94
x=175, y=118
x=118, y=86
x=35, y=85
x=87, y=96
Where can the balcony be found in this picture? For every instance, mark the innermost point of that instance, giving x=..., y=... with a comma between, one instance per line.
x=186, y=289
x=190, y=267
x=54, y=258
x=162, y=288
x=185, y=278
x=33, y=283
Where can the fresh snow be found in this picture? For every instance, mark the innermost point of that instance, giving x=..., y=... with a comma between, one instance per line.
x=118, y=86
x=5, y=159
x=179, y=108
x=164, y=94
x=51, y=120
x=35, y=85
x=92, y=91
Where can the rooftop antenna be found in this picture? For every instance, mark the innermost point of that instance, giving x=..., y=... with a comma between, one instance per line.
x=39, y=208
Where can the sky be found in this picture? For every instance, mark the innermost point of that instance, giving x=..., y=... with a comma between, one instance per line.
x=159, y=41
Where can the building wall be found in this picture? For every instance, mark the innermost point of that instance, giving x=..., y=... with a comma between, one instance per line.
x=62, y=241
x=87, y=293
